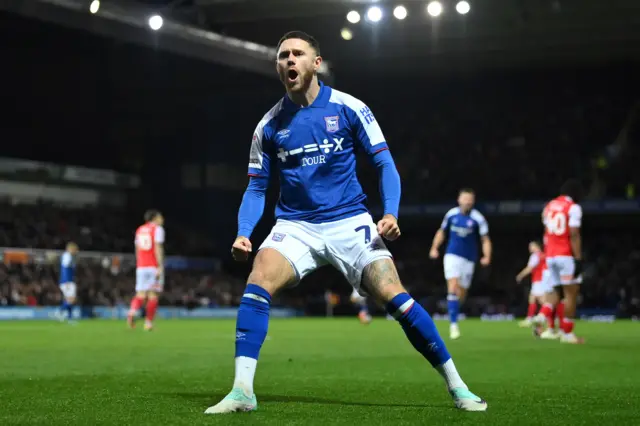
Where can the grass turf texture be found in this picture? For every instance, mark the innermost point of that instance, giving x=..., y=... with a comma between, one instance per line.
x=313, y=372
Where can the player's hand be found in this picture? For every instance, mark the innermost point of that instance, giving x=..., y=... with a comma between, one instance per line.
x=485, y=261
x=433, y=253
x=241, y=249
x=519, y=278
x=388, y=227
x=578, y=270
x=159, y=273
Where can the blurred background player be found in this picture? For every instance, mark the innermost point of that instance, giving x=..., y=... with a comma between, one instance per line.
x=149, y=268
x=67, y=281
x=536, y=267
x=363, y=309
x=462, y=225
x=562, y=218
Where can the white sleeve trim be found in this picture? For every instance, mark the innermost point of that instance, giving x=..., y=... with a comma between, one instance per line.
x=534, y=260
x=159, y=235
x=256, y=154
x=575, y=216
x=364, y=114
x=452, y=212
x=483, y=226
x=66, y=259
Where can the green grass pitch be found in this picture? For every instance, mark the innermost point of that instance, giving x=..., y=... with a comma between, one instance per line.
x=313, y=372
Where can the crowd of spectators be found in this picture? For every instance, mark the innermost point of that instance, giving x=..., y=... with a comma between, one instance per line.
x=49, y=226
x=37, y=285
x=511, y=136
x=508, y=136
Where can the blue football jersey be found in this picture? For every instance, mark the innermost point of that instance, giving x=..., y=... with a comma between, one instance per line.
x=67, y=268
x=463, y=232
x=314, y=150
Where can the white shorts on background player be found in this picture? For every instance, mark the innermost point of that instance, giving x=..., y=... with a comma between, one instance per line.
x=542, y=287
x=68, y=290
x=562, y=269
x=357, y=297
x=349, y=245
x=146, y=279
x=458, y=267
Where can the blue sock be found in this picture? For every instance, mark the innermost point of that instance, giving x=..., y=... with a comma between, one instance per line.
x=364, y=308
x=69, y=310
x=453, y=306
x=419, y=328
x=252, y=321
x=64, y=306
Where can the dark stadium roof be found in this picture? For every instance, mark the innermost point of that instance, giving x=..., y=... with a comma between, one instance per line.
x=496, y=32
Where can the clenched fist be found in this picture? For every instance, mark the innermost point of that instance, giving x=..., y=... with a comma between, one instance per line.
x=241, y=249
x=388, y=227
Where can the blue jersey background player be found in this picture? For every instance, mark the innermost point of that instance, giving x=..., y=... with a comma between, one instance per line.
x=464, y=227
x=309, y=138
x=67, y=280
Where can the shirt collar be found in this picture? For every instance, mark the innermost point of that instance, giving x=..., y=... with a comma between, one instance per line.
x=320, y=101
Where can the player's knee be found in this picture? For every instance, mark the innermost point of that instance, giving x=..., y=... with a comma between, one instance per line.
x=271, y=271
x=380, y=279
x=453, y=286
x=141, y=294
x=152, y=295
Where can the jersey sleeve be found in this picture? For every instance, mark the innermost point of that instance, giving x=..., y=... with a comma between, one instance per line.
x=575, y=216
x=447, y=218
x=259, y=155
x=159, y=235
x=483, y=225
x=534, y=260
x=365, y=129
x=66, y=259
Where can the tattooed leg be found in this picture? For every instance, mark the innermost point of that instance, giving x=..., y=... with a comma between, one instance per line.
x=380, y=279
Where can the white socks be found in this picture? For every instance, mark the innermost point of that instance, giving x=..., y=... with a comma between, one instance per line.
x=450, y=375
x=245, y=372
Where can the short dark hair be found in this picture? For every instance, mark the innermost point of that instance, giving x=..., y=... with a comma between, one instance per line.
x=572, y=188
x=302, y=36
x=467, y=190
x=151, y=214
x=536, y=242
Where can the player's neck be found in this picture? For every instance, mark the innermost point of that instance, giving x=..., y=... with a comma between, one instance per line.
x=306, y=97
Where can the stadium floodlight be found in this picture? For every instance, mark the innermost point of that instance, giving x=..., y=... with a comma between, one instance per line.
x=463, y=7
x=155, y=22
x=346, y=34
x=400, y=12
x=374, y=14
x=434, y=8
x=353, y=17
x=94, y=7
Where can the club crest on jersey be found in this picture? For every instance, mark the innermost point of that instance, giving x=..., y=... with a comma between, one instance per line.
x=332, y=123
x=277, y=237
x=469, y=223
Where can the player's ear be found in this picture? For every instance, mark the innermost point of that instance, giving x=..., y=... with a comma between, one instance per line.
x=317, y=62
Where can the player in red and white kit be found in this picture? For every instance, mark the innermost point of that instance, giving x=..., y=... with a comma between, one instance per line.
x=149, y=267
x=540, y=285
x=562, y=218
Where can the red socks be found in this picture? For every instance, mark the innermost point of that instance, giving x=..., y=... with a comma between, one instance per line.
x=136, y=304
x=152, y=307
x=531, y=312
x=560, y=313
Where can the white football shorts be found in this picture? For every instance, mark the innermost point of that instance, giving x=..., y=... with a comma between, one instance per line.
x=348, y=244
x=542, y=287
x=146, y=279
x=562, y=270
x=357, y=297
x=68, y=290
x=460, y=268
